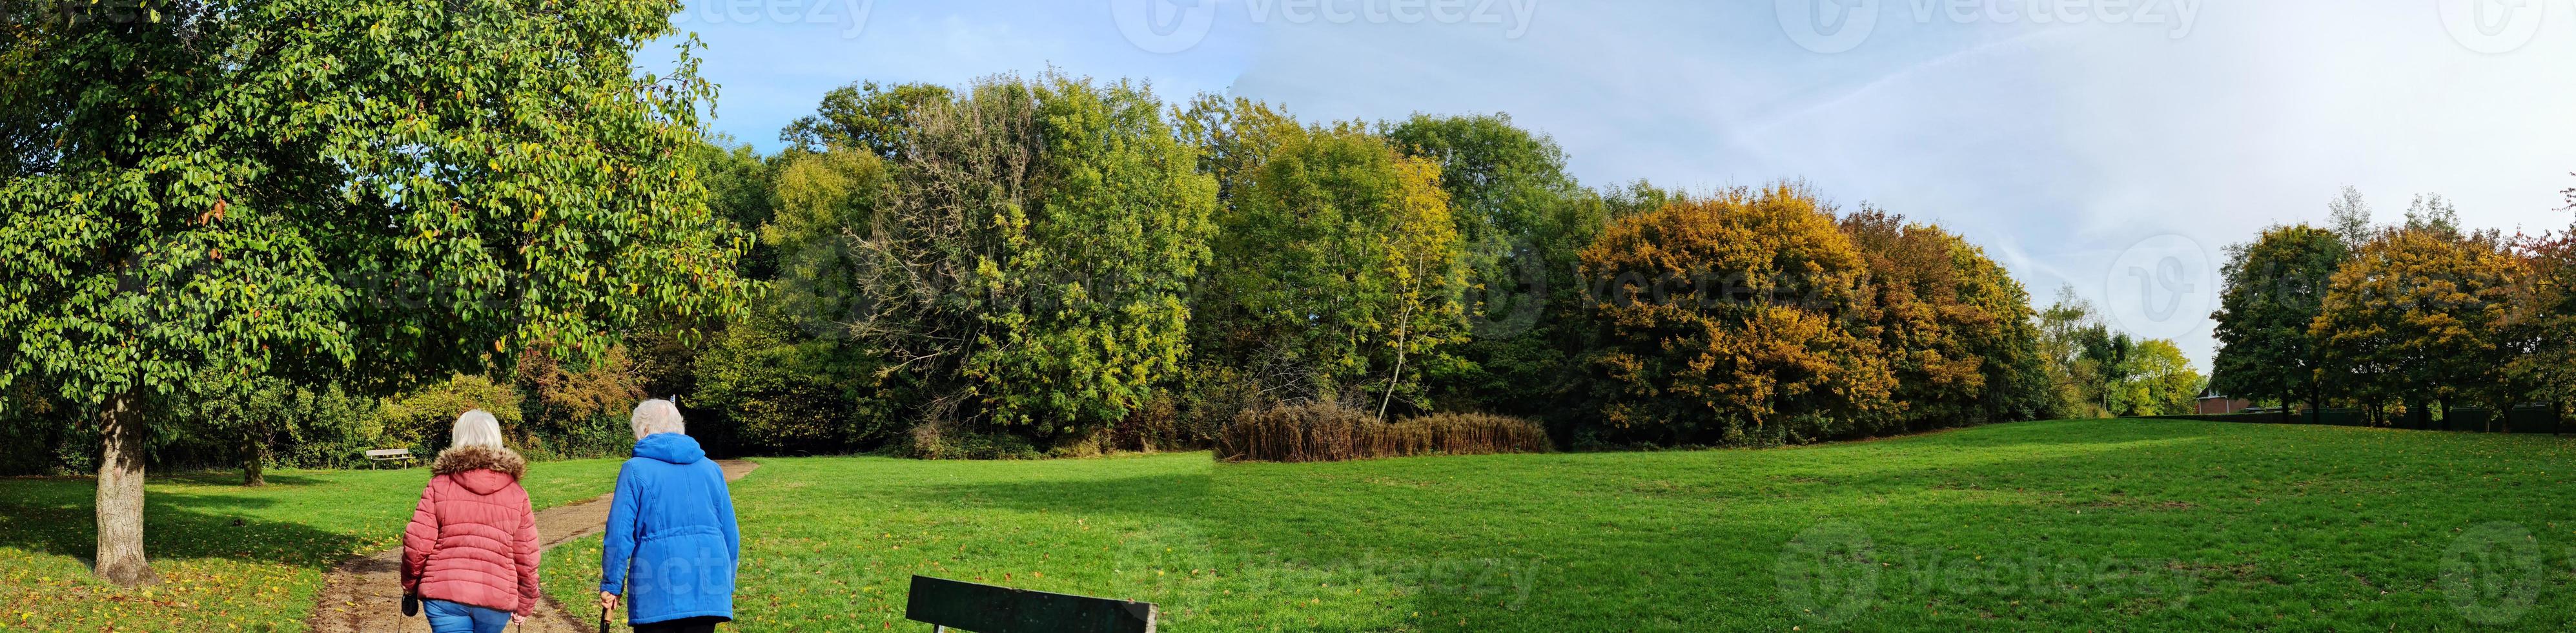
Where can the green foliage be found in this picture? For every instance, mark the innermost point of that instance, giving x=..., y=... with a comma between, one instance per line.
x=297, y=186
x=269, y=421
x=787, y=393
x=2162, y=381
x=870, y=117
x=1031, y=267
x=1338, y=273
x=823, y=203
x=1522, y=224
x=2275, y=289
x=422, y=418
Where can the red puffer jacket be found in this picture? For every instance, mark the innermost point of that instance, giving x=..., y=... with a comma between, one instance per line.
x=473, y=538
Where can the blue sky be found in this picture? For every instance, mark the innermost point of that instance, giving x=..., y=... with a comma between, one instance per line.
x=2115, y=148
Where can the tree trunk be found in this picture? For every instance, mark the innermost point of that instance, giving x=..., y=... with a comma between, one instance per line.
x=120, y=496
x=1405, y=328
x=254, y=454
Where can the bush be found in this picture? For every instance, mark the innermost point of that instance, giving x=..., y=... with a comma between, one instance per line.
x=947, y=439
x=1742, y=319
x=1326, y=432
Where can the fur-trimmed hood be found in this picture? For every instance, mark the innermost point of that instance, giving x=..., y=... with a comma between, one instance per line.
x=466, y=459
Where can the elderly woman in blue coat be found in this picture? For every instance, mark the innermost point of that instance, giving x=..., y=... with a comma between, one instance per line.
x=671, y=542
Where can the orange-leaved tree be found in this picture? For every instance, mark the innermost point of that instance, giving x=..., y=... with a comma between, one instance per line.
x=1743, y=318
x=2416, y=316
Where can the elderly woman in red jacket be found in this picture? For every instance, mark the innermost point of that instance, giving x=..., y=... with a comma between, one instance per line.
x=470, y=553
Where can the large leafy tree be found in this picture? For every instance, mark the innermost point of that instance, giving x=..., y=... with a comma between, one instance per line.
x=2416, y=317
x=1344, y=262
x=1740, y=319
x=2161, y=380
x=1032, y=263
x=2545, y=320
x=2275, y=288
x=866, y=116
x=379, y=191
x=1955, y=327
x=788, y=374
x=1522, y=224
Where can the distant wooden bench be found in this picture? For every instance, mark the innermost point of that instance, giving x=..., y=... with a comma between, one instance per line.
x=381, y=456
x=953, y=605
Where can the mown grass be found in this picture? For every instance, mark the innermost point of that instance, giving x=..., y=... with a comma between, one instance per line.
x=2071, y=525
x=231, y=558
x=831, y=544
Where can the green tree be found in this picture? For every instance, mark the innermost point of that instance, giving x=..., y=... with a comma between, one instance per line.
x=788, y=391
x=1345, y=259
x=2275, y=288
x=1522, y=225
x=261, y=415
x=867, y=116
x=2162, y=381
x=380, y=191
x=1033, y=261
x=2068, y=328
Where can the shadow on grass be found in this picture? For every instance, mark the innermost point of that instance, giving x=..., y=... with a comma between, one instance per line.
x=56, y=516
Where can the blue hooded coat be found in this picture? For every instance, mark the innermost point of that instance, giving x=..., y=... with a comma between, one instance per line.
x=672, y=517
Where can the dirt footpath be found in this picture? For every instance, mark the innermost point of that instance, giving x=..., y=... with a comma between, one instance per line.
x=364, y=594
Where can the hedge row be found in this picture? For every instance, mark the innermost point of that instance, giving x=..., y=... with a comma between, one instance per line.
x=2463, y=419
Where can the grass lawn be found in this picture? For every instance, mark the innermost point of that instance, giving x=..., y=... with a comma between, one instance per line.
x=2070, y=525
x=231, y=558
x=2106, y=525
x=831, y=544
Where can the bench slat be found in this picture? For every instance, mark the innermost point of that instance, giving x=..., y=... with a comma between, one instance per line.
x=390, y=452
x=990, y=609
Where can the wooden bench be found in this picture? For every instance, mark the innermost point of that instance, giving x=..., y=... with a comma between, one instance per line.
x=954, y=605
x=381, y=456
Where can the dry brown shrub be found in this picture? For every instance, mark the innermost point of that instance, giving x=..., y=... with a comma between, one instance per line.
x=1326, y=432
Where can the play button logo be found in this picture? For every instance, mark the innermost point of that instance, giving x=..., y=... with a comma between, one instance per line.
x=1163, y=26
x=2492, y=26
x=1827, y=26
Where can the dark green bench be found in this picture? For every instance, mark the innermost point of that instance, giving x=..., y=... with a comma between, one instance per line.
x=948, y=604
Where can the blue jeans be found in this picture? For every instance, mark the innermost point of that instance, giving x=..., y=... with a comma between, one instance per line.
x=450, y=617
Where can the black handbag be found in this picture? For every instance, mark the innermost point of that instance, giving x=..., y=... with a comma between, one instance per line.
x=411, y=606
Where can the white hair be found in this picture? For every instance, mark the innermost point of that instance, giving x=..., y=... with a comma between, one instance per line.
x=657, y=416
x=476, y=428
